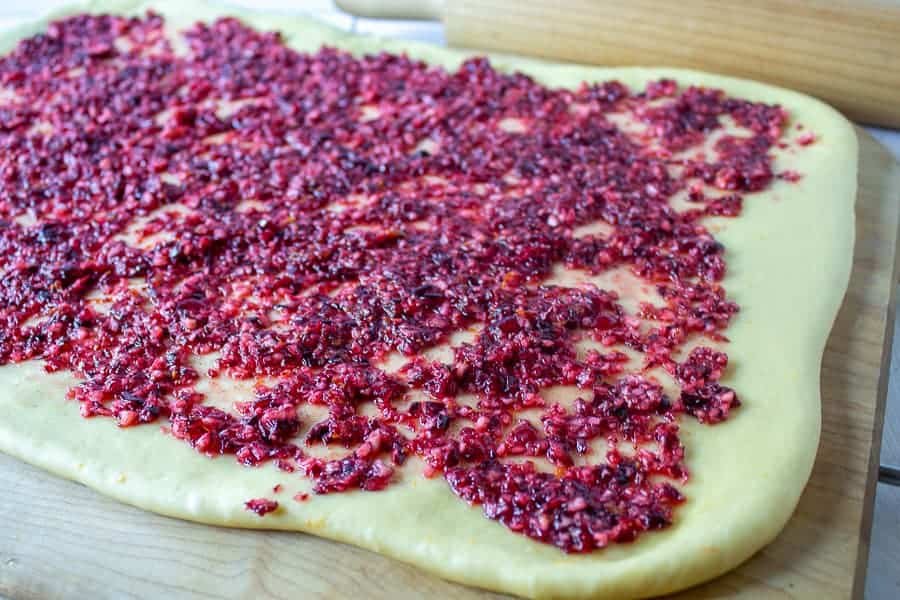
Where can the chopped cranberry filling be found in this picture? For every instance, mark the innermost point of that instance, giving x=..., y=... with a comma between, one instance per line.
x=261, y=506
x=585, y=509
x=304, y=215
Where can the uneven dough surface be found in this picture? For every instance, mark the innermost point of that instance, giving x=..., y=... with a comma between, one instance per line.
x=789, y=258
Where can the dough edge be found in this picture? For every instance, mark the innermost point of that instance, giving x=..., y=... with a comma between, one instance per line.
x=748, y=473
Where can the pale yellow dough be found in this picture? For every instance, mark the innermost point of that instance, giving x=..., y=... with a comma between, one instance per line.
x=789, y=260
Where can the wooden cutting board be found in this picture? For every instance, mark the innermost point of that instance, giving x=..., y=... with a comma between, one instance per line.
x=62, y=540
x=846, y=52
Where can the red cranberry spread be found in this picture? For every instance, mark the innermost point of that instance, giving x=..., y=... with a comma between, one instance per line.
x=303, y=216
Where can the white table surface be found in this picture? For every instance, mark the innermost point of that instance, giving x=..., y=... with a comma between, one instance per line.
x=883, y=581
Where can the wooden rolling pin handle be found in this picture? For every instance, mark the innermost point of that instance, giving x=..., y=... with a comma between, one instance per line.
x=423, y=10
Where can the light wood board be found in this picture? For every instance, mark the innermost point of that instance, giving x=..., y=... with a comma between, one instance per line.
x=844, y=52
x=61, y=540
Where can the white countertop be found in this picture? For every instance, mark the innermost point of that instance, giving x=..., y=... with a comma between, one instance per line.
x=883, y=580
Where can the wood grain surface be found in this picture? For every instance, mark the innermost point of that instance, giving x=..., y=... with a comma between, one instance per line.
x=61, y=540
x=846, y=52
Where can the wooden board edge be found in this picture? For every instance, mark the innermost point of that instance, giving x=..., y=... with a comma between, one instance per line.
x=868, y=503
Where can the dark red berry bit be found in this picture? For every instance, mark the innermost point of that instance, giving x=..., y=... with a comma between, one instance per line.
x=261, y=506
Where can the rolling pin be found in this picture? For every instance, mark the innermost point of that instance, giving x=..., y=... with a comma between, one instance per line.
x=845, y=52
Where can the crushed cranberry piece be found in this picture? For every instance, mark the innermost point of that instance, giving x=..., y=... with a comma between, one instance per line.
x=805, y=139
x=702, y=366
x=350, y=473
x=709, y=403
x=304, y=216
x=790, y=175
x=261, y=506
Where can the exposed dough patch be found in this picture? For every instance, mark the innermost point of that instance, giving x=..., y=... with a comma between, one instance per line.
x=427, y=145
x=369, y=112
x=40, y=128
x=444, y=352
x=172, y=178
x=123, y=44
x=133, y=234
x=219, y=138
x=707, y=149
x=8, y=96
x=228, y=108
x=251, y=205
x=598, y=228
x=513, y=125
x=632, y=290
x=102, y=302
x=628, y=124
x=26, y=219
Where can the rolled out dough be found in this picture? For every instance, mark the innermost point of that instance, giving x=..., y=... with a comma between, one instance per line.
x=789, y=258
